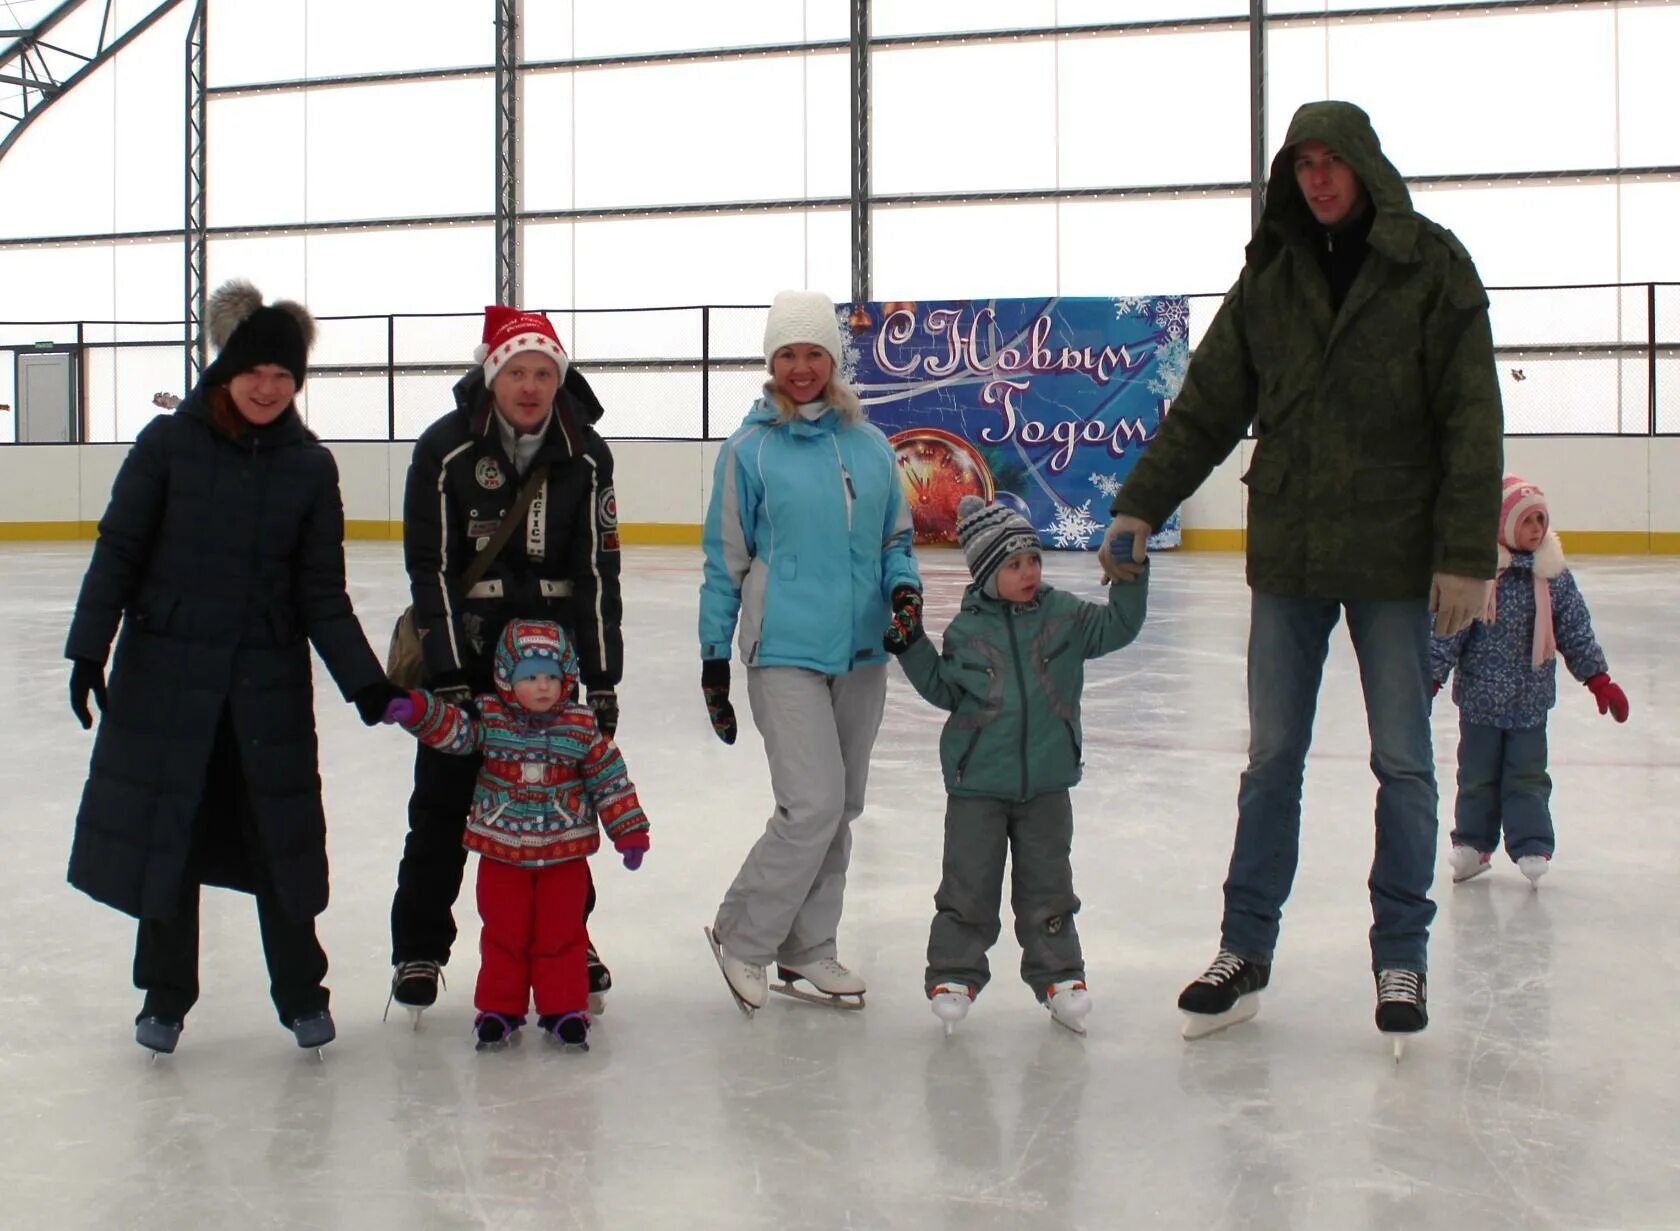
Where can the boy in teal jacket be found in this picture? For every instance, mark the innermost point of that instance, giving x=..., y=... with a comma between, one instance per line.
x=1011, y=674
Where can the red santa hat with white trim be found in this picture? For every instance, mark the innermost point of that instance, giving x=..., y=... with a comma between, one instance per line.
x=509, y=331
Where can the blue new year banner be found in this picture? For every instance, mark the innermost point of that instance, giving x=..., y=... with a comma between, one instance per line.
x=1043, y=404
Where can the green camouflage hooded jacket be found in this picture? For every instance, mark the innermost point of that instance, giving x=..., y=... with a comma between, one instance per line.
x=1379, y=434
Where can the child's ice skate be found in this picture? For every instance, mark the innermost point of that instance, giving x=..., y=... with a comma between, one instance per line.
x=744, y=979
x=1069, y=1004
x=600, y=982
x=1226, y=993
x=1534, y=867
x=1402, y=1006
x=314, y=1030
x=950, y=1003
x=837, y=987
x=567, y=1031
x=414, y=986
x=496, y=1030
x=160, y=1034
x=1467, y=862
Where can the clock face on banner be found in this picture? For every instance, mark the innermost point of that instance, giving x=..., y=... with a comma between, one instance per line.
x=1043, y=404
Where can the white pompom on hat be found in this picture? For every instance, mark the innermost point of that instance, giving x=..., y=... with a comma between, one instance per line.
x=508, y=332
x=802, y=316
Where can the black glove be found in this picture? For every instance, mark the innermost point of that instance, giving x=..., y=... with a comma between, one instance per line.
x=714, y=686
x=452, y=687
x=88, y=676
x=371, y=701
x=906, y=627
x=604, y=701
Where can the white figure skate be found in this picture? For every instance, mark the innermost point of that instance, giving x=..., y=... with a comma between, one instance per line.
x=836, y=987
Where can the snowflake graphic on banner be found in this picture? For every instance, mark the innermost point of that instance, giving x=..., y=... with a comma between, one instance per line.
x=1072, y=527
x=1107, y=484
x=1172, y=360
x=849, y=356
x=1130, y=305
x=1172, y=316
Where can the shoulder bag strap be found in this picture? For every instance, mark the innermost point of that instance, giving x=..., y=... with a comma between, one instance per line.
x=487, y=556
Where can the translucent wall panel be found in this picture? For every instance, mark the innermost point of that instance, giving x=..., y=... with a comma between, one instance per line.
x=546, y=178
x=360, y=167
x=1555, y=69
x=266, y=42
x=1568, y=316
x=119, y=384
x=689, y=260
x=600, y=337
x=900, y=17
x=148, y=282
x=669, y=134
x=1646, y=40
x=258, y=156
x=56, y=284
x=828, y=254
x=58, y=179
x=149, y=135
x=369, y=36
x=277, y=265
x=546, y=248
x=1573, y=394
x=1157, y=247
x=1186, y=121
x=422, y=399
x=346, y=407
x=1531, y=235
x=629, y=27
x=955, y=252
x=430, y=269
x=961, y=118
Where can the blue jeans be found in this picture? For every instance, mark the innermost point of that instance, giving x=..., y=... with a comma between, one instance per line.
x=1502, y=780
x=1287, y=642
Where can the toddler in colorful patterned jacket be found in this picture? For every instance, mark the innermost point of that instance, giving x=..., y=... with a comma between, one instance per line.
x=1507, y=680
x=549, y=783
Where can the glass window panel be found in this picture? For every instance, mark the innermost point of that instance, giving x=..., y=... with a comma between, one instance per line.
x=954, y=119
x=638, y=144
x=265, y=42
x=546, y=254
x=423, y=398
x=363, y=36
x=642, y=404
x=428, y=269
x=356, y=169
x=1154, y=247
x=1195, y=135
x=962, y=251
x=58, y=178
x=1650, y=88
x=1530, y=235
x=628, y=27
x=1651, y=231
x=731, y=259
x=346, y=407
x=258, y=159
x=1431, y=131
x=546, y=175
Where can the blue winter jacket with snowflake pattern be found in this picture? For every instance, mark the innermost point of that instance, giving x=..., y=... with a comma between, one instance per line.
x=1496, y=685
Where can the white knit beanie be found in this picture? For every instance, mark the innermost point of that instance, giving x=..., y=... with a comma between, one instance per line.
x=801, y=316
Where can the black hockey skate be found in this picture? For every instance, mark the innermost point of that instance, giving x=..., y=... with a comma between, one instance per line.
x=496, y=1030
x=160, y=1034
x=1226, y=993
x=314, y=1030
x=567, y=1031
x=600, y=982
x=1402, y=1005
x=414, y=985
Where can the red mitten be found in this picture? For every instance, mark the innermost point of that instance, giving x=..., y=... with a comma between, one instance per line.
x=1609, y=695
x=1435, y=689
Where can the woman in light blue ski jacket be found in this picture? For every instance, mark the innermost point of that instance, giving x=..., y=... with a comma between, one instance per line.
x=807, y=547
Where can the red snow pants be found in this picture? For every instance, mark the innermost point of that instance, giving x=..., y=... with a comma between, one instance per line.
x=532, y=943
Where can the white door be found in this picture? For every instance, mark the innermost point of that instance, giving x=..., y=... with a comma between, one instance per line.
x=45, y=404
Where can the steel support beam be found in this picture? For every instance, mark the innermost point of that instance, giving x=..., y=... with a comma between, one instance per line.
x=862, y=260
x=509, y=45
x=1256, y=110
x=195, y=227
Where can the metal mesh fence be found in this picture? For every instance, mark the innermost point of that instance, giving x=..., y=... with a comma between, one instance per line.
x=1598, y=360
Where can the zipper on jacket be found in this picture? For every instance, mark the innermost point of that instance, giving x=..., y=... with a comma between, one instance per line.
x=845, y=478
x=962, y=761
x=1021, y=680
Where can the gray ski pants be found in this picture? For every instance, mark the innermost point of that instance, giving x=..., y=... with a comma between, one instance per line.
x=818, y=733
x=1038, y=835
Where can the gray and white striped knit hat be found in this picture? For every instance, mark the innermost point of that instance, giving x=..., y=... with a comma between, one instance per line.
x=989, y=534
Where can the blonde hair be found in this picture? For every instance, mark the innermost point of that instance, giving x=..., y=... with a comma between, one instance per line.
x=837, y=393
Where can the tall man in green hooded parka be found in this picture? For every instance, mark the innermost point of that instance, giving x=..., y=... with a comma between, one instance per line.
x=1356, y=345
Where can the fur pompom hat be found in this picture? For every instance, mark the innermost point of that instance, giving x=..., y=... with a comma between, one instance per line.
x=248, y=333
x=508, y=332
x=989, y=534
x=801, y=316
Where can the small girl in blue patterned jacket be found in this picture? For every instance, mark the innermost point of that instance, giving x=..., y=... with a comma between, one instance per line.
x=1507, y=680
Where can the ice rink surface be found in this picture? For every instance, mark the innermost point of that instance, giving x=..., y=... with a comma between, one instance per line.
x=1546, y=1092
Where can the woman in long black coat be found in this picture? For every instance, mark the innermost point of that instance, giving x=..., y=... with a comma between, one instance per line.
x=222, y=556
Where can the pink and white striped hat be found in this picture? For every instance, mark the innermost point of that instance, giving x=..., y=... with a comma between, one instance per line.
x=1520, y=498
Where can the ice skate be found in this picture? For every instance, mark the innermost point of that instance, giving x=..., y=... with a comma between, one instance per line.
x=1226, y=993
x=1402, y=1006
x=600, y=982
x=837, y=987
x=1534, y=867
x=1069, y=1004
x=314, y=1030
x=495, y=1031
x=744, y=980
x=567, y=1031
x=950, y=1003
x=1467, y=863
x=414, y=986
x=157, y=1033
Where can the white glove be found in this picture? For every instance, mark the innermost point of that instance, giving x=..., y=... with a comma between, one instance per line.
x=1131, y=566
x=1456, y=601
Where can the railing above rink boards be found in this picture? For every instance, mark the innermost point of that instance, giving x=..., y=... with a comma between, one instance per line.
x=1580, y=360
